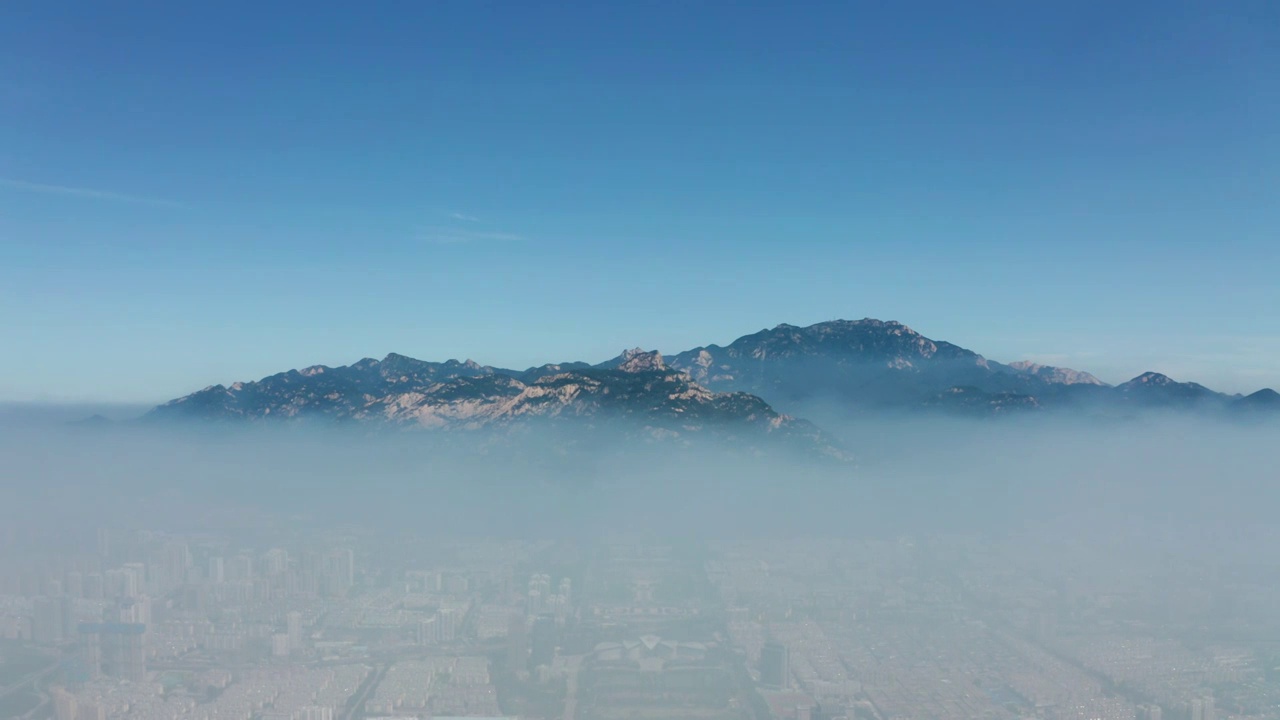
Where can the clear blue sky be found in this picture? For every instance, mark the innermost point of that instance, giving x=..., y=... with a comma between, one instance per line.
x=194, y=193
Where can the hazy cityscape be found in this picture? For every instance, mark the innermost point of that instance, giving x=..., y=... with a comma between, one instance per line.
x=356, y=624
x=639, y=360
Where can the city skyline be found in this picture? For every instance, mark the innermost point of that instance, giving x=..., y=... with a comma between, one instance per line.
x=154, y=624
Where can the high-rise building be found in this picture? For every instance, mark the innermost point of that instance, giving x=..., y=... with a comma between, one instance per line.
x=91, y=711
x=136, y=610
x=542, y=641
x=293, y=626
x=280, y=645
x=46, y=621
x=339, y=572
x=113, y=583
x=275, y=561
x=133, y=657
x=539, y=592
x=177, y=561
x=217, y=570
x=517, y=644
x=127, y=581
x=1196, y=709
x=775, y=665
x=74, y=584
x=347, y=566
x=138, y=571
x=314, y=712
x=240, y=569
x=114, y=649
x=429, y=631
x=67, y=607
x=456, y=584
x=1210, y=712
x=448, y=622
x=93, y=587
x=90, y=651
x=65, y=706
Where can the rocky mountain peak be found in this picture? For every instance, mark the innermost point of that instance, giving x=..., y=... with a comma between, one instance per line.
x=1150, y=379
x=1061, y=376
x=455, y=396
x=639, y=360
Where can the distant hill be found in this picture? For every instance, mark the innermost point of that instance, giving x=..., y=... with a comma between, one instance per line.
x=745, y=392
x=869, y=365
x=1265, y=402
x=637, y=396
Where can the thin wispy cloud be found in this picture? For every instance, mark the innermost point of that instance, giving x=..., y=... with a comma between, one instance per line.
x=463, y=217
x=87, y=193
x=459, y=236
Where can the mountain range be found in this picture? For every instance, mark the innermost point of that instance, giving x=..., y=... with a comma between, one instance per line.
x=749, y=391
x=636, y=394
x=874, y=365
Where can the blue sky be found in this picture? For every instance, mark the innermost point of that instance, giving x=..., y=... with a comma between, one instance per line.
x=191, y=195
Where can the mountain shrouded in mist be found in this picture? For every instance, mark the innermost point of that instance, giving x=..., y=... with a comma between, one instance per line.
x=637, y=393
x=748, y=389
x=874, y=365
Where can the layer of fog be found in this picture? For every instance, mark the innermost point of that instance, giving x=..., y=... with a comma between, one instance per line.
x=16, y=416
x=1171, y=484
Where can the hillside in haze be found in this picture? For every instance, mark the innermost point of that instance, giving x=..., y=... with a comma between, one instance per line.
x=873, y=365
x=637, y=394
x=745, y=391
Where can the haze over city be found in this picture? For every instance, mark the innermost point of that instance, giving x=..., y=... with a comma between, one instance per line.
x=647, y=361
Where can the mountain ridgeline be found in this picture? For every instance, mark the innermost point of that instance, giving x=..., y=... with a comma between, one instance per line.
x=636, y=394
x=873, y=366
x=746, y=391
